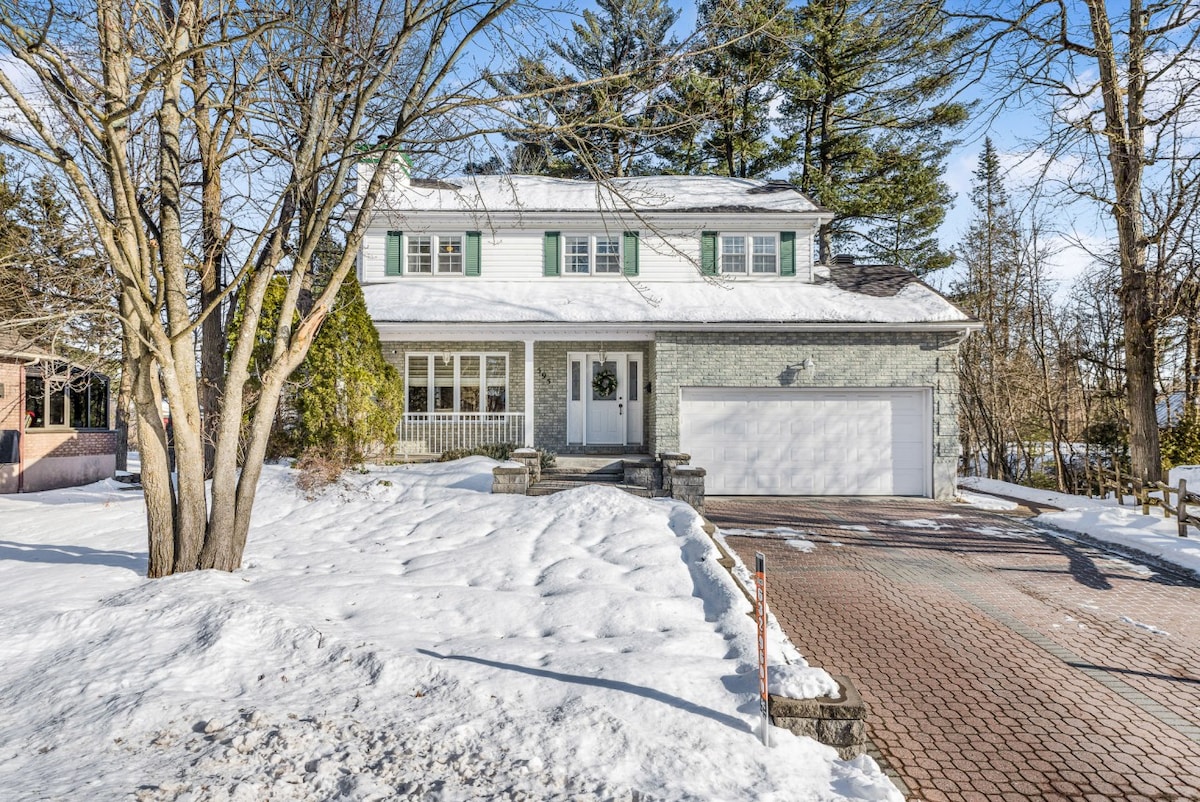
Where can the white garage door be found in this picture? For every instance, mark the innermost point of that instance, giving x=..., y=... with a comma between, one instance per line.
x=808, y=442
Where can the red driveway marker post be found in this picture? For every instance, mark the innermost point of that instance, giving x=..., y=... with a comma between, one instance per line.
x=760, y=609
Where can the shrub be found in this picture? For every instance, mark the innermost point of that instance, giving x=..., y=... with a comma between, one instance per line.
x=319, y=469
x=497, y=451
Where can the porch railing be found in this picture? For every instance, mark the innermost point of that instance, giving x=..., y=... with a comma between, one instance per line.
x=435, y=432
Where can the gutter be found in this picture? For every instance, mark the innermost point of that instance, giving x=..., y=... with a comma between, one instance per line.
x=559, y=330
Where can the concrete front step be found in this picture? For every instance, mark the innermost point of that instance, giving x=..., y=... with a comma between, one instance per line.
x=552, y=486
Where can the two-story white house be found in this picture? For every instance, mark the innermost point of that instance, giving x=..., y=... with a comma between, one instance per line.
x=656, y=314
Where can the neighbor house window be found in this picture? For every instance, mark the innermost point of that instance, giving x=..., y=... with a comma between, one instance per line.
x=67, y=397
x=755, y=253
x=597, y=254
x=449, y=383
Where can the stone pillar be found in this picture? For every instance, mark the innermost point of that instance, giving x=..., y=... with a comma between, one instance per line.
x=840, y=723
x=687, y=485
x=510, y=477
x=640, y=473
x=532, y=460
x=670, y=461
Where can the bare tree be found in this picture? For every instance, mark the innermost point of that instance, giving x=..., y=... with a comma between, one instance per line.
x=1116, y=87
x=210, y=146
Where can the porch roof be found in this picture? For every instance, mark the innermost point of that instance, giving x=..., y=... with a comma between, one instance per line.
x=853, y=294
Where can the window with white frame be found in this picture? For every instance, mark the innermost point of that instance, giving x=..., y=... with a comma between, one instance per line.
x=428, y=254
x=754, y=253
x=450, y=383
x=598, y=254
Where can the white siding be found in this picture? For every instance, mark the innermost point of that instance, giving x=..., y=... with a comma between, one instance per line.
x=516, y=254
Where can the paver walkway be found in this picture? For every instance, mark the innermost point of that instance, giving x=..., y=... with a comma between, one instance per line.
x=999, y=662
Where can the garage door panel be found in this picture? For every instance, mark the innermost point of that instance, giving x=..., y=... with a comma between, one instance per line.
x=808, y=442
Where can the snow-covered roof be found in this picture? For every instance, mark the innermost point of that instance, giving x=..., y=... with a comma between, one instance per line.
x=848, y=297
x=646, y=194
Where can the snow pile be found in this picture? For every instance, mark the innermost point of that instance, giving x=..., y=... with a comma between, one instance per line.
x=1104, y=520
x=419, y=300
x=983, y=502
x=404, y=635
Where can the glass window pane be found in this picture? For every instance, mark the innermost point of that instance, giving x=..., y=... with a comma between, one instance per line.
x=497, y=384
x=420, y=254
x=77, y=401
x=418, y=384
x=443, y=384
x=468, y=392
x=764, y=255
x=576, y=250
x=450, y=255
x=633, y=381
x=58, y=403
x=576, y=373
x=733, y=254
x=608, y=255
x=98, y=403
x=35, y=402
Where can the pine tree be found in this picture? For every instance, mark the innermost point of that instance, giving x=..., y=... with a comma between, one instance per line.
x=720, y=114
x=867, y=123
x=606, y=127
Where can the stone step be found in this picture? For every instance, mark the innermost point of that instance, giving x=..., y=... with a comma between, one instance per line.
x=607, y=474
x=550, y=487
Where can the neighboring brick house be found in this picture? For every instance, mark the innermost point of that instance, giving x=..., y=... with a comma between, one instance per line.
x=667, y=313
x=54, y=422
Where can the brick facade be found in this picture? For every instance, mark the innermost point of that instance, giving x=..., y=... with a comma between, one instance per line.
x=674, y=360
x=550, y=390
x=840, y=359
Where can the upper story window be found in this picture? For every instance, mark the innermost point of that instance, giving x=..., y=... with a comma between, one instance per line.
x=432, y=254
x=598, y=254
x=435, y=253
x=754, y=253
x=69, y=397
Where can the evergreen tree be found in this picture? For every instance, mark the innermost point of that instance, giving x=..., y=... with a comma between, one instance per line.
x=720, y=114
x=867, y=123
x=344, y=399
x=607, y=126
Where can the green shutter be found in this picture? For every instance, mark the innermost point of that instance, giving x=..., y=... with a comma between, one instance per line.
x=708, y=253
x=550, y=253
x=787, y=253
x=393, y=264
x=630, y=255
x=472, y=257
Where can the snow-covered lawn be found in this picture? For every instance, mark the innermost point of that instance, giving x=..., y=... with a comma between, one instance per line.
x=1106, y=521
x=405, y=635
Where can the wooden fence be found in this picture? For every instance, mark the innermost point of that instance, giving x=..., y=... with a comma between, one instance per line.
x=1186, y=509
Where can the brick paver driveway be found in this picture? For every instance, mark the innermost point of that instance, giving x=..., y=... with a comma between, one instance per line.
x=999, y=662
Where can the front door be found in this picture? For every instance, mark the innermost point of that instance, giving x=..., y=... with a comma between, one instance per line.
x=604, y=400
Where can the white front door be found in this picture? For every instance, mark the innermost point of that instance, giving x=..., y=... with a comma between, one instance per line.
x=604, y=398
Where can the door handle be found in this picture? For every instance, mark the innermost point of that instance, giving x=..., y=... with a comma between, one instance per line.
x=620, y=409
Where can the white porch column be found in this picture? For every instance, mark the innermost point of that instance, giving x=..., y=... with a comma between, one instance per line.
x=528, y=393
